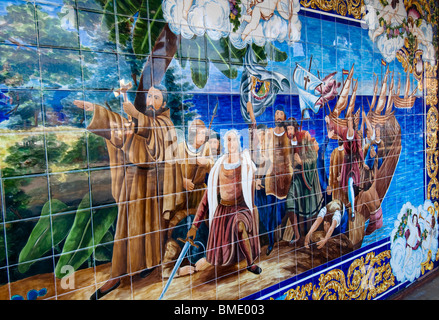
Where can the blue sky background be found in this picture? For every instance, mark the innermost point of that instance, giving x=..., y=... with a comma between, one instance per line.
x=333, y=45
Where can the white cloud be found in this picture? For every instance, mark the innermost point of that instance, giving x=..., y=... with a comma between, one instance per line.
x=212, y=17
x=424, y=34
x=394, y=17
x=203, y=16
x=406, y=261
x=389, y=47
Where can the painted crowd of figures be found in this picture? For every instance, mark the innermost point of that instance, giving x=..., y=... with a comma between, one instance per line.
x=226, y=201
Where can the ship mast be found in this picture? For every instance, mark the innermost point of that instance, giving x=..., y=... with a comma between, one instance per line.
x=390, y=98
x=342, y=102
x=383, y=94
x=351, y=107
x=374, y=97
x=407, y=86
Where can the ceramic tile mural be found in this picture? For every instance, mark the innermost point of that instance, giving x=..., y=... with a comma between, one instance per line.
x=217, y=149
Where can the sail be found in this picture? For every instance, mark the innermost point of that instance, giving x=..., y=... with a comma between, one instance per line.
x=351, y=107
x=306, y=84
x=407, y=86
x=374, y=97
x=342, y=101
x=390, y=97
x=383, y=94
x=398, y=89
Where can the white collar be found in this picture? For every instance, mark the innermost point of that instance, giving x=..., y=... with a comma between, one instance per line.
x=372, y=138
x=278, y=134
x=351, y=137
x=230, y=166
x=340, y=148
x=294, y=143
x=192, y=148
x=373, y=135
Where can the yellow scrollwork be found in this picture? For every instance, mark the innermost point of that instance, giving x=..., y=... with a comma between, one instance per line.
x=300, y=293
x=432, y=127
x=432, y=163
x=432, y=154
x=366, y=278
x=422, y=6
x=431, y=84
x=432, y=189
x=427, y=264
x=342, y=7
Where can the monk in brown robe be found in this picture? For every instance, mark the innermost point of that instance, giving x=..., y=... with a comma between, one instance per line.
x=137, y=157
x=279, y=175
x=376, y=216
x=228, y=204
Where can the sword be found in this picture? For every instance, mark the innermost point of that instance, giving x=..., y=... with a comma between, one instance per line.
x=188, y=242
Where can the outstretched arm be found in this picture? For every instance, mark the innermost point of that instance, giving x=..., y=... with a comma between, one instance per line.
x=314, y=227
x=87, y=106
x=328, y=235
x=186, y=7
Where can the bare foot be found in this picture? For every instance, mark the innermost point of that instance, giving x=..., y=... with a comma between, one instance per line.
x=109, y=284
x=201, y=264
x=183, y=271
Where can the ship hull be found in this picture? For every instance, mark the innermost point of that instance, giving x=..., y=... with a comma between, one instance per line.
x=404, y=103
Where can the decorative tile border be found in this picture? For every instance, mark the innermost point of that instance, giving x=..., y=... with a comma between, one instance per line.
x=344, y=8
x=366, y=274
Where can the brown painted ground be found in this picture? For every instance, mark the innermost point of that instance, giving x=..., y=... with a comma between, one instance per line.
x=224, y=283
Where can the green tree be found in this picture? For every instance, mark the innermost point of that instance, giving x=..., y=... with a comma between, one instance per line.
x=95, y=148
x=29, y=155
x=141, y=22
x=179, y=103
x=21, y=61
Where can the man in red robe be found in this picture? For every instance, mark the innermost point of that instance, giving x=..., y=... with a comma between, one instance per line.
x=352, y=147
x=353, y=156
x=228, y=205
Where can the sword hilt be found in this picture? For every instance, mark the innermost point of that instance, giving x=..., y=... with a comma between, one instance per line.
x=192, y=243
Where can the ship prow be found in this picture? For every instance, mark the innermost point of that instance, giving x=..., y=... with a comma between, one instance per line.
x=344, y=102
x=390, y=131
x=382, y=116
